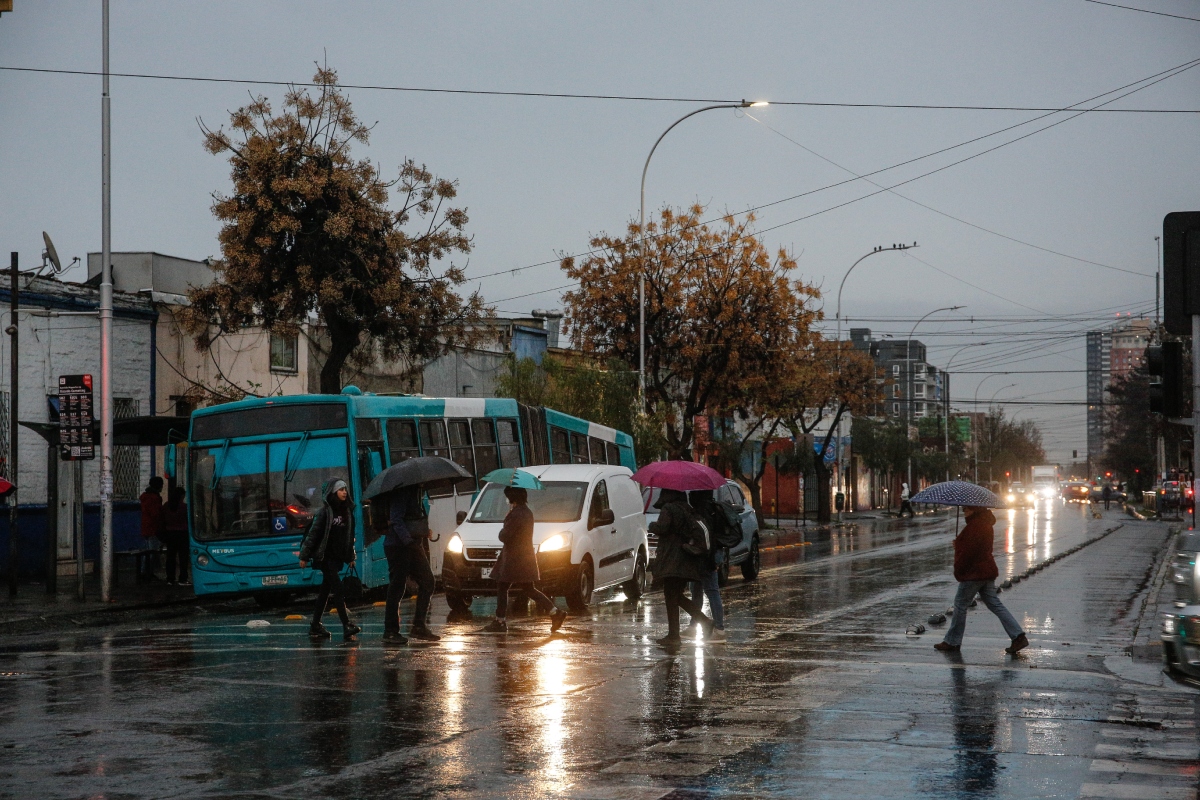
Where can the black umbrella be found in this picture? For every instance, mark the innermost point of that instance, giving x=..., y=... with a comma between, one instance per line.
x=432, y=472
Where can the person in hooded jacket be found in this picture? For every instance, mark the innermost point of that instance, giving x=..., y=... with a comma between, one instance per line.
x=517, y=565
x=976, y=572
x=404, y=546
x=329, y=545
x=675, y=566
x=704, y=504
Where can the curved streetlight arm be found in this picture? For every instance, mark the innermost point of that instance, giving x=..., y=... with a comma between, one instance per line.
x=876, y=251
x=642, y=243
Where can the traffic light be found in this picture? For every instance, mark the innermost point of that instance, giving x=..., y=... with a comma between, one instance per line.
x=1165, y=363
x=1181, y=270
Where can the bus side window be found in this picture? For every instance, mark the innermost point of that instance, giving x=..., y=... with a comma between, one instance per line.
x=369, y=436
x=510, y=443
x=560, y=446
x=402, y=440
x=596, y=446
x=434, y=443
x=485, y=445
x=579, y=448
x=613, y=452
x=460, y=451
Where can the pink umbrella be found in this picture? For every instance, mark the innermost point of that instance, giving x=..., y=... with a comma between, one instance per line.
x=683, y=476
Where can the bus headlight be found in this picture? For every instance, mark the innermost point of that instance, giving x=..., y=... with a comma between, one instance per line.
x=202, y=560
x=1169, y=625
x=556, y=542
x=454, y=545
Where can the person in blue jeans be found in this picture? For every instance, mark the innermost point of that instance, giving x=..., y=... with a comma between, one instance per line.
x=976, y=572
x=704, y=504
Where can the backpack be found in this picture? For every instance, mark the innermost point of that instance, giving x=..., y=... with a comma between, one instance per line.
x=729, y=533
x=698, y=541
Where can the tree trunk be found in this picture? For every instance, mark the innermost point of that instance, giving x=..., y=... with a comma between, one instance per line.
x=824, y=511
x=756, y=501
x=342, y=341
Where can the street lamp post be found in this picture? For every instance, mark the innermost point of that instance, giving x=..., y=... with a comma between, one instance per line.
x=642, y=240
x=106, y=333
x=975, y=407
x=946, y=390
x=908, y=391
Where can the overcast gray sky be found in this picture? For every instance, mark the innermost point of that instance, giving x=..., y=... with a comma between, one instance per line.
x=539, y=175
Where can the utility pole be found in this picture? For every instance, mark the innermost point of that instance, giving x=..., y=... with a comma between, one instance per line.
x=106, y=316
x=13, y=427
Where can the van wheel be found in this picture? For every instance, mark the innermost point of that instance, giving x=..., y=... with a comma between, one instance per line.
x=635, y=587
x=753, y=563
x=458, y=601
x=580, y=592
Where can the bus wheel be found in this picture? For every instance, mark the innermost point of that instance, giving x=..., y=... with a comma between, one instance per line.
x=579, y=594
x=459, y=602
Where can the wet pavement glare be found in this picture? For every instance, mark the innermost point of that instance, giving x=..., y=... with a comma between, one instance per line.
x=818, y=693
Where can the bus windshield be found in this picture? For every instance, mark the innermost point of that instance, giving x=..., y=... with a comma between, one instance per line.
x=262, y=489
x=559, y=501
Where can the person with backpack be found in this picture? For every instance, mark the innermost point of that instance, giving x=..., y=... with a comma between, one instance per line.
x=683, y=545
x=404, y=547
x=905, y=503
x=329, y=545
x=706, y=507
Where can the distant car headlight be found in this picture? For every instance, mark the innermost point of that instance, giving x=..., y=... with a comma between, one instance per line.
x=454, y=545
x=1012, y=497
x=1169, y=625
x=556, y=542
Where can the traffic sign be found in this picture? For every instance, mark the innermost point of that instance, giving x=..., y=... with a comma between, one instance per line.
x=75, y=418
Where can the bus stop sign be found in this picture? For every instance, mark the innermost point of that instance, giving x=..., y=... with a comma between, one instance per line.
x=75, y=418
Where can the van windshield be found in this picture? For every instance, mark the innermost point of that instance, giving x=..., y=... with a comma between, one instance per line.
x=558, y=501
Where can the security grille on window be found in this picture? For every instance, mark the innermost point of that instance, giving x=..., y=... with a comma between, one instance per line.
x=283, y=353
x=127, y=471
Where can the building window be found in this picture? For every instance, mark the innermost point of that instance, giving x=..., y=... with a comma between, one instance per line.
x=283, y=353
x=895, y=390
x=127, y=473
x=895, y=369
x=919, y=390
x=895, y=408
x=920, y=409
x=920, y=370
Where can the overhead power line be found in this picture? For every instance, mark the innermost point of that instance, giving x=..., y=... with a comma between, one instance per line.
x=1143, y=10
x=576, y=96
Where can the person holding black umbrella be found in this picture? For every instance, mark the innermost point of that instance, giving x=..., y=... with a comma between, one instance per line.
x=404, y=546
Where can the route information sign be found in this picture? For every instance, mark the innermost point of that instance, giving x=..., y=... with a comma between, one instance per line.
x=75, y=419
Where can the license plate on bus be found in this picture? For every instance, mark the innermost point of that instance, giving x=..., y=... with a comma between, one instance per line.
x=275, y=580
x=485, y=572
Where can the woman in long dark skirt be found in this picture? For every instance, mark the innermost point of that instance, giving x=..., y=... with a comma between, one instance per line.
x=517, y=565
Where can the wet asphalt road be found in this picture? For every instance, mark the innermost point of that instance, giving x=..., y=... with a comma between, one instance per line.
x=819, y=693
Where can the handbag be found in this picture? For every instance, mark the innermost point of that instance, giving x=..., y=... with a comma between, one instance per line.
x=352, y=586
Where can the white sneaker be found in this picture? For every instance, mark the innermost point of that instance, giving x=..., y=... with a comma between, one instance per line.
x=718, y=636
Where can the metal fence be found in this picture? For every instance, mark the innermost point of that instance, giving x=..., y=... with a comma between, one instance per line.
x=127, y=468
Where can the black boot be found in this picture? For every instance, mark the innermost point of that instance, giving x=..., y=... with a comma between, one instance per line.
x=318, y=632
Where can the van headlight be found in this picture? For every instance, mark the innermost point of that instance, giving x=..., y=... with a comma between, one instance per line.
x=556, y=542
x=1012, y=498
x=1169, y=625
x=455, y=544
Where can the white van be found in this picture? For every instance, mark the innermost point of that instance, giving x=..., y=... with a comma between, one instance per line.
x=589, y=532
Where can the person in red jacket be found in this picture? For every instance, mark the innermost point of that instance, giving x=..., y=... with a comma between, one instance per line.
x=976, y=572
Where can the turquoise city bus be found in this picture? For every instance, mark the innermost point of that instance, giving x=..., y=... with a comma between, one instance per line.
x=256, y=468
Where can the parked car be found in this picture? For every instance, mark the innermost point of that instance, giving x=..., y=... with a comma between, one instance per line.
x=1181, y=627
x=1115, y=493
x=745, y=555
x=1018, y=496
x=1076, y=491
x=589, y=531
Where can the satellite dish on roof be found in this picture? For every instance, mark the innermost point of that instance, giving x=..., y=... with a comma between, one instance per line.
x=51, y=255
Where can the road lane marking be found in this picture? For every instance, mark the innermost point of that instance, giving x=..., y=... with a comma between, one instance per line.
x=1140, y=768
x=1165, y=753
x=1122, y=791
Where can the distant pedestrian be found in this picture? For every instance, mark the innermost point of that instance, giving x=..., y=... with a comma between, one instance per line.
x=152, y=527
x=517, y=565
x=329, y=545
x=705, y=506
x=675, y=565
x=1106, y=495
x=404, y=546
x=905, y=505
x=175, y=535
x=975, y=570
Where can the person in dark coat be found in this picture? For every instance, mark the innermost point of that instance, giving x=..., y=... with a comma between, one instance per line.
x=704, y=504
x=517, y=564
x=329, y=545
x=404, y=546
x=976, y=572
x=1106, y=495
x=675, y=566
x=152, y=526
x=175, y=535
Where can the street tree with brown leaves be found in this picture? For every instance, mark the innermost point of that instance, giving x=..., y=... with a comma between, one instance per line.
x=308, y=228
x=721, y=313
